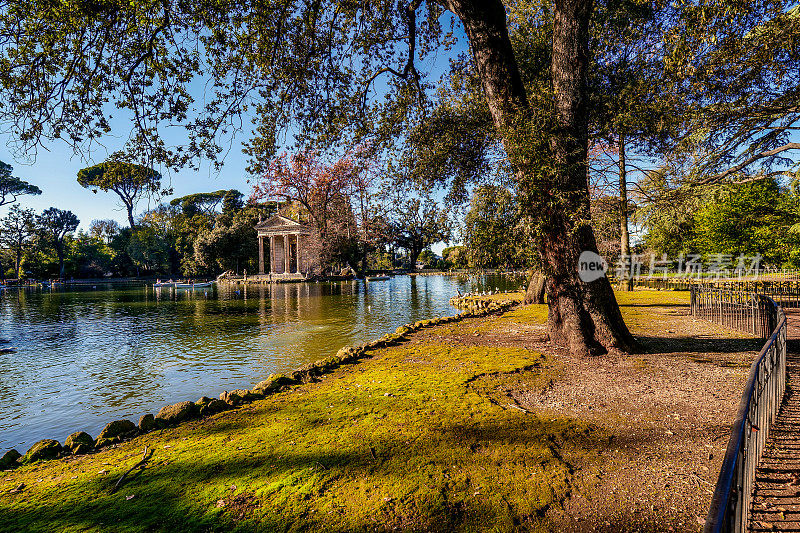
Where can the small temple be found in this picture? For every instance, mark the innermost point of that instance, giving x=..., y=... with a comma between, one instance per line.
x=289, y=249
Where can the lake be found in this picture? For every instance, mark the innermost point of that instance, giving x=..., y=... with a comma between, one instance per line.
x=89, y=355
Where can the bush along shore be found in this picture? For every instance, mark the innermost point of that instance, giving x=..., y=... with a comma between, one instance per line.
x=80, y=443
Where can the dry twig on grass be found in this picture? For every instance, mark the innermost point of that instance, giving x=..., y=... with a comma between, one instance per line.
x=144, y=458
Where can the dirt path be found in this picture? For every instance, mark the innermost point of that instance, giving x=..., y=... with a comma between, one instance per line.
x=665, y=415
x=776, y=497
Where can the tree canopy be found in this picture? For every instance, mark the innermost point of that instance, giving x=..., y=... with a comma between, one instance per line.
x=12, y=187
x=56, y=224
x=208, y=202
x=337, y=73
x=130, y=181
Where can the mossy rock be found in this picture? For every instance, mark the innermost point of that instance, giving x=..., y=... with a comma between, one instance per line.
x=349, y=354
x=213, y=407
x=402, y=330
x=114, y=432
x=42, y=451
x=147, y=423
x=176, y=413
x=82, y=449
x=273, y=383
x=334, y=361
x=79, y=442
x=303, y=375
x=231, y=398
x=204, y=400
x=9, y=459
x=246, y=395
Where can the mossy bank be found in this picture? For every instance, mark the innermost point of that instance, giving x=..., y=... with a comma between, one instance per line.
x=419, y=435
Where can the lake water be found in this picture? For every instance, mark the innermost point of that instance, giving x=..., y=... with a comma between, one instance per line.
x=86, y=356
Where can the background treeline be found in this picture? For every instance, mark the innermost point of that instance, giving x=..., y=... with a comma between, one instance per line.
x=200, y=234
x=362, y=225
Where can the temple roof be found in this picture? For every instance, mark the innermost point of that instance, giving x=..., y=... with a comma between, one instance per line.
x=279, y=224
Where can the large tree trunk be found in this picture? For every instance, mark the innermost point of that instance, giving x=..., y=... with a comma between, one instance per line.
x=129, y=210
x=537, y=286
x=413, y=255
x=60, y=254
x=624, y=239
x=583, y=317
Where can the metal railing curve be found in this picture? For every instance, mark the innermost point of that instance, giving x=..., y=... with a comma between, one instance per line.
x=762, y=397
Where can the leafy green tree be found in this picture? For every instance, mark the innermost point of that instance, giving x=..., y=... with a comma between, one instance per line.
x=750, y=218
x=489, y=228
x=607, y=227
x=90, y=256
x=228, y=247
x=152, y=245
x=418, y=223
x=104, y=229
x=455, y=257
x=737, y=65
x=56, y=224
x=17, y=230
x=207, y=202
x=12, y=187
x=129, y=181
x=429, y=259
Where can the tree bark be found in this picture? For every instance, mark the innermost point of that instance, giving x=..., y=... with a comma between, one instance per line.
x=583, y=317
x=129, y=209
x=60, y=254
x=413, y=254
x=536, y=289
x=624, y=239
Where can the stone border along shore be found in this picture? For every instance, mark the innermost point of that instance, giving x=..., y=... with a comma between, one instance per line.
x=478, y=302
x=80, y=442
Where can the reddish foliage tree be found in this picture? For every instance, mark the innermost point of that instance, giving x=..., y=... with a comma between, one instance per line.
x=339, y=200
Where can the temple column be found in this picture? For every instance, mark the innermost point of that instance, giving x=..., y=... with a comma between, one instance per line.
x=299, y=256
x=260, y=254
x=272, y=254
x=286, y=254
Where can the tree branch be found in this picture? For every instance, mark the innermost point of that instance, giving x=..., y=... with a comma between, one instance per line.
x=716, y=178
x=410, y=70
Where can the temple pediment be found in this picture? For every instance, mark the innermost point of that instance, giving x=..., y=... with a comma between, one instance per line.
x=279, y=224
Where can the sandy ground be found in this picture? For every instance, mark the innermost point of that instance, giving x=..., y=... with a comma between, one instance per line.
x=666, y=415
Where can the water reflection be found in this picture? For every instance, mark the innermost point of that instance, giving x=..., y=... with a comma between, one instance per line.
x=89, y=355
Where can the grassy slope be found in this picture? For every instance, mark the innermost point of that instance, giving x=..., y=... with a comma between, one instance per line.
x=409, y=438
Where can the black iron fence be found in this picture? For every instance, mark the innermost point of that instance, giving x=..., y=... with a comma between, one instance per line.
x=766, y=383
x=743, y=311
x=785, y=293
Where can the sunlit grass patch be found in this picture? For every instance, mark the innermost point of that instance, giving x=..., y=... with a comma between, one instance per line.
x=401, y=440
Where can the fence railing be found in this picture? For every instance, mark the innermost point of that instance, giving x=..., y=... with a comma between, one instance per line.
x=763, y=393
x=785, y=293
x=743, y=311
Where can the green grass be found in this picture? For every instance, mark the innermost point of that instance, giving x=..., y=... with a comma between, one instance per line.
x=405, y=439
